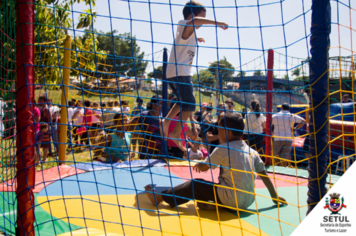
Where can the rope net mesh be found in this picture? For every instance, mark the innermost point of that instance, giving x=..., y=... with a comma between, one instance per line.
x=106, y=153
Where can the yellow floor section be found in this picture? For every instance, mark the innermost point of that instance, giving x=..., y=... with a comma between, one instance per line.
x=90, y=214
x=89, y=231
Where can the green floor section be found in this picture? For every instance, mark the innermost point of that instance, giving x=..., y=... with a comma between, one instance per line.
x=45, y=224
x=299, y=173
x=289, y=214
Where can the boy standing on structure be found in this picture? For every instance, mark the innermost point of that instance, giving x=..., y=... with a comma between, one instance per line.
x=179, y=72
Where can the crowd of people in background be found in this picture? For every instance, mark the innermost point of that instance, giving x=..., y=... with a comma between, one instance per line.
x=115, y=133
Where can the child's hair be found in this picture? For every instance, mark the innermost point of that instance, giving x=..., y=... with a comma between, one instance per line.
x=87, y=103
x=43, y=126
x=95, y=104
x=124, y=103
x=118, y=117
x=192, y=7
x=116, y=104
x=209, y=108
x=44, y=98
x=234, y=122
x=110, y=104
x=229, y=100
x=139, y=100
x=69, y=103
x=197, y=141
x=255, y=105
x=154, y=100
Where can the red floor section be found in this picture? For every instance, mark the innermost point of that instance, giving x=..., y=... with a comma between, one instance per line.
x=43, y=178
x=187, y=173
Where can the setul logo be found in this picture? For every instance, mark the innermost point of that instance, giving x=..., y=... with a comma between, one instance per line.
x=335, y=204
x=335, y=222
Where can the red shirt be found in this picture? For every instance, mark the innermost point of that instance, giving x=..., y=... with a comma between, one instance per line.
x=173, y=123
x=37, y=113
x=88, y=117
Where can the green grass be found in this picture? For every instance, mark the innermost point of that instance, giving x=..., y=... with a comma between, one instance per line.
x=55, y=95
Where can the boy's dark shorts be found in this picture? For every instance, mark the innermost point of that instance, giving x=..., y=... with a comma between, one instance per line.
x=182, y=87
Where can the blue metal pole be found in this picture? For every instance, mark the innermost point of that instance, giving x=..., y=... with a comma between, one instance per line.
x=164, y=84
x=319, y=79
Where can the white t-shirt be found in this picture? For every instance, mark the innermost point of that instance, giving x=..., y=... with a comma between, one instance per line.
x=254, y=124
x=125, y=109
x=243, y=158
x=283, y=123
x=53, y=109
x=194, y=155
x=2, y=105
x=70, y=113
x=182, y=53
x=108, y=116
x=96, y=119
x=79, y=118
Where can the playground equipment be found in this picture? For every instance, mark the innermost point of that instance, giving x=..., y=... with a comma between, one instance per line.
x=62, y=57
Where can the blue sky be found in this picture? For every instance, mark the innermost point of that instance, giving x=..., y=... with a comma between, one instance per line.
x=153, y=25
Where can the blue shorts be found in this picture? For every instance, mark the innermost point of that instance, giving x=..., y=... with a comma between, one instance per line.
x=182, y=87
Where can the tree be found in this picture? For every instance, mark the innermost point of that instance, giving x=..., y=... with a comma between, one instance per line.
x=226, y=71
x=8, y=49
x=157, y=73
x=205, y=77
x=51, y=26
x=258, y=73
x=124, y=55
x=302, y=78
x=286, y=77
x=296, y=72
x=241, y=74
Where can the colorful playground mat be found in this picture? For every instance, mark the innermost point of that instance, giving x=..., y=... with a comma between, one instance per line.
x=112, y=202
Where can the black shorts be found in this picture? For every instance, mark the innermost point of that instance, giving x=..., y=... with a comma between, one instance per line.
x=182, y=87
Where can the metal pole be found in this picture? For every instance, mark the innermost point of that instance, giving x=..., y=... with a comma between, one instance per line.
x=164, y=84
x=25, y=137
x=319, y=80
x=64, y=116
x=269, y=106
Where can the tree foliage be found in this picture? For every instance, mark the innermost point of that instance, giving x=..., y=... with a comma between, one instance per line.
x=241, y=74
x=51, y=28
x=205, y=77
x=296, y=72
x=226, y=70
x=8, y=49
x=258, y=73
x=124, y=55
x=157, y=73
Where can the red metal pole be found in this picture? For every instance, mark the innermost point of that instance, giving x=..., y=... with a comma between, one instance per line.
x=269, y=104
x=25, y=58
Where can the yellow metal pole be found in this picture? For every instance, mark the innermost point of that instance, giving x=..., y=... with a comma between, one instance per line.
x=64, y=116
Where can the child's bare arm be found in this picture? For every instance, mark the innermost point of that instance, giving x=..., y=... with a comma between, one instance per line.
x=197, y=22
x=210, y=137
x=267, y=181
x=201, y=167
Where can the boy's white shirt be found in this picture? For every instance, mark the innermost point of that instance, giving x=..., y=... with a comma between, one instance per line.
x=243, y=158
x=182, y=53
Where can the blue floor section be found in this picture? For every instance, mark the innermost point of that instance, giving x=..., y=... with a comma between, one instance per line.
x=112, y=182
x=98, y=165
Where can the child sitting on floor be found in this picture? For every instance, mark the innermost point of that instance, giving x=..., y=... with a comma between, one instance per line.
x=194, y=152
x=116, y=143
x=235, y=188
